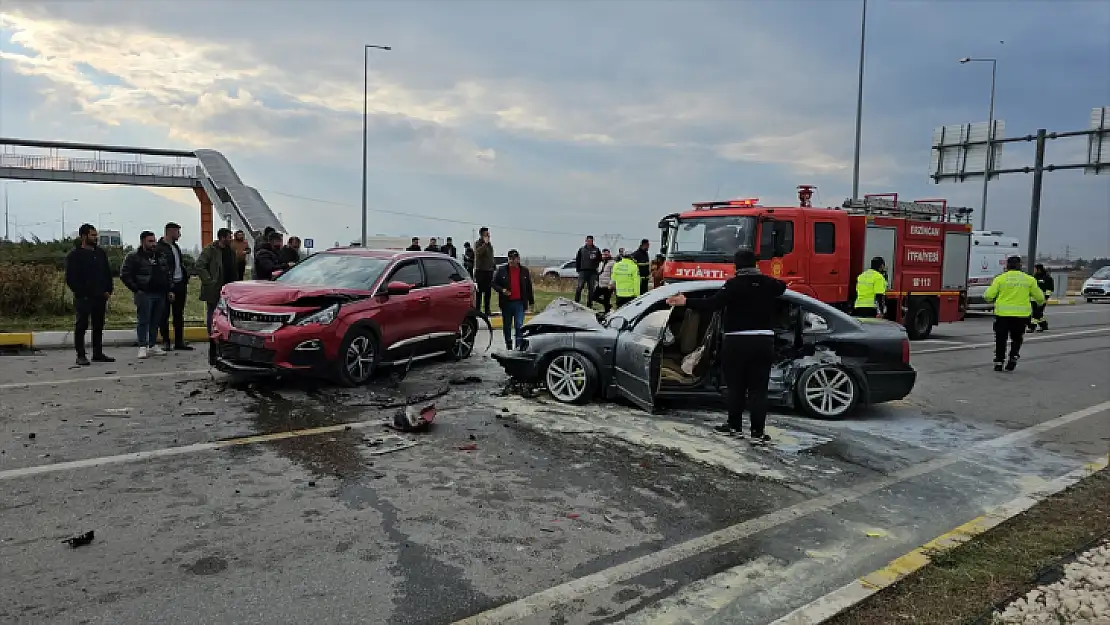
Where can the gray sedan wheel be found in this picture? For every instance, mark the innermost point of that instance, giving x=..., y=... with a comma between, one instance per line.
x=570, y=377
x=827, y=392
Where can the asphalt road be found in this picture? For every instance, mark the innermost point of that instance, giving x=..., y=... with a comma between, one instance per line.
x=270, y=503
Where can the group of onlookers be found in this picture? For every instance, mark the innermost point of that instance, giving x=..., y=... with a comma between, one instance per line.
x=624, y=278
x=156, y=274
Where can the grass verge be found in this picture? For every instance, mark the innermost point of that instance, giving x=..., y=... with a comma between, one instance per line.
x=964, y=583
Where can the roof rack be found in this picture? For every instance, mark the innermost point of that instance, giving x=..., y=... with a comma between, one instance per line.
x=924, y=210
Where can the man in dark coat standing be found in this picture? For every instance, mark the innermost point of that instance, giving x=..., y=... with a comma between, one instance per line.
x=90, y=279
x=179, y=288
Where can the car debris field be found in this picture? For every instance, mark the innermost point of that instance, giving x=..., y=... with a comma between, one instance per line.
x=161, y=491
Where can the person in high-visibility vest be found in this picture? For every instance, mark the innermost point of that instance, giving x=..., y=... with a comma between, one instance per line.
x=1047, y=286
x=871, y=291
x=626, y=280
x=1011, y=292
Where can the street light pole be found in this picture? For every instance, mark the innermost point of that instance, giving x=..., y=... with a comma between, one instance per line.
x=365, y=106
x=859, y=103
x=7, y=221
x=62, y=238
x=990, y=137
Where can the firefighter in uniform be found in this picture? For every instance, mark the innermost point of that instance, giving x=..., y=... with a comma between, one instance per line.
x=626, y=280
x=1012, y=293
x=1047, y=285
x=871, y=291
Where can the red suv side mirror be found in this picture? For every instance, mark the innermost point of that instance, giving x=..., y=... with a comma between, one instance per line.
x=398, y=288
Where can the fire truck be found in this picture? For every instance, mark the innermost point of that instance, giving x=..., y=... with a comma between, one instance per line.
x=821, y=251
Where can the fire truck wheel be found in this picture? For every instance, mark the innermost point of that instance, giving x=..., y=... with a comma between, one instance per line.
x=827, y=392
x=919, y=323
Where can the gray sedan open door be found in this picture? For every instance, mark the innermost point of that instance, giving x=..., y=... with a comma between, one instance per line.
x=636, y=365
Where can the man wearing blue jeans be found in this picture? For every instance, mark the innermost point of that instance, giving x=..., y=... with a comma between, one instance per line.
x=513, y=284
x=146, y=271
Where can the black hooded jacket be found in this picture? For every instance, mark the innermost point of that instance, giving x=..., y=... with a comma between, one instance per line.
x=88, y=273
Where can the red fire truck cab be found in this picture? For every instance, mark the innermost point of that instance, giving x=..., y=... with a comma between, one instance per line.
x=821, y=251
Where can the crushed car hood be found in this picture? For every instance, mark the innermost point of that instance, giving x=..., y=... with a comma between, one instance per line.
x=567, y=315
x=277, y=294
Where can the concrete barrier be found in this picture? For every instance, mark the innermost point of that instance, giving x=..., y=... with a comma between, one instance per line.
x=115, y=338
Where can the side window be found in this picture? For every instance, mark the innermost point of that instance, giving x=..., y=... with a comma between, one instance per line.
x=568, y=265
x=652, y=324
x=824, y=238
x=787, y=236
x=441, y=272
x=409, y=273
x=813, y=322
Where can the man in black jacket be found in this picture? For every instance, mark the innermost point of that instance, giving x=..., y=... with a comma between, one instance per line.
x=179, y=288
x=449, y=248
x=148, y=274
x=748, y=350
x=513, y=284
x=432, y=246
x=1048, y=287
x=89, y=277
x=290, y=254
x=266, y=260
x=586, y=262
x=643, y=262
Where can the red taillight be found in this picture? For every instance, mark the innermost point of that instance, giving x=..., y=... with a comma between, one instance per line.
x=905, y=351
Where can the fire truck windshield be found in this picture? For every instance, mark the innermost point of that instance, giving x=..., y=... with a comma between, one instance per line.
x=713, y=237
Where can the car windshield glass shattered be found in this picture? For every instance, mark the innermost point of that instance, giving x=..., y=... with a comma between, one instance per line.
x=713, y=236
x=340, y=271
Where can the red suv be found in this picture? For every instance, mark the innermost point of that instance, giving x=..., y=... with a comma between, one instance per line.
x=345, y=312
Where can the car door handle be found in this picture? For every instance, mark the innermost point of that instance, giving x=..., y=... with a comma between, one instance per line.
x=647, y=352
x=423, y=300
x=791, y=273
x=833, y=272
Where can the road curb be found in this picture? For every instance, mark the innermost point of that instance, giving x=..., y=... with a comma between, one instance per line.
x=850, y=595
x=1060, y=302
x=58, y=340
x=115, y=338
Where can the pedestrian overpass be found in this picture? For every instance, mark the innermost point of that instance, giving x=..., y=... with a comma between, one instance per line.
x=208, y=173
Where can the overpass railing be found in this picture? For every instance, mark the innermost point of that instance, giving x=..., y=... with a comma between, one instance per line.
x=98, y=166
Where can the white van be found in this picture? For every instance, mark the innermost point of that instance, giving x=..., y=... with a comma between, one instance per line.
x=989, y=251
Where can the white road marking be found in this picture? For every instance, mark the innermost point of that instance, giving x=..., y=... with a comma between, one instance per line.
x=931, y=341
x=1050, y=313
x=185, y=449
x=103, y=378
x=1033, y=339
x=575, y=589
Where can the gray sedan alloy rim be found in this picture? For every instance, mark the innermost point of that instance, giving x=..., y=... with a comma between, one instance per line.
x=566, y=378
x=829, y=391
x=464, y=340
x=360, y=358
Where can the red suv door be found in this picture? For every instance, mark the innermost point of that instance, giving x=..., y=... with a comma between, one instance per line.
x=405, y=319
x=450, y=292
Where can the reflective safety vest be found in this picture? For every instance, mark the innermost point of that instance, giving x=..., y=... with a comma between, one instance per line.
x=1011, y=292
x=869, y=285
x=626, y=278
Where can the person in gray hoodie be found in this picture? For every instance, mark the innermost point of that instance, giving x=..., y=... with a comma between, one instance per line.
x=604, y=292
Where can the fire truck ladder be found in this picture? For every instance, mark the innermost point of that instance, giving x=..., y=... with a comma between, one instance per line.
x=924, y=210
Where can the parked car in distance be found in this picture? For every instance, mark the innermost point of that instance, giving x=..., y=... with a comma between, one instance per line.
x=827, y=363
x=346, y=312
x=566, y=270
x=989, y=251
x=1098, y=285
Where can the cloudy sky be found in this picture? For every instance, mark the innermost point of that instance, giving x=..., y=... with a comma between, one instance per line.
x=547, y=120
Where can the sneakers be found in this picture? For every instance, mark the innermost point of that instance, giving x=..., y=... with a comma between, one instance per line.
x=1011, y=364
x=760, y=440
x=155, y=350
x=82, y=361
x=102, y=358
x=998, y=365
x=1042, y=326
x=143, y=352
x=728, y=430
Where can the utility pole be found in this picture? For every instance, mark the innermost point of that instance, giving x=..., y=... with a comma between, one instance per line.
x=1035, y=205
x=859, y=103
x=365, y=114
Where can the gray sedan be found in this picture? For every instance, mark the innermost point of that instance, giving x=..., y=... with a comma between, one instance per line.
x=647, y=352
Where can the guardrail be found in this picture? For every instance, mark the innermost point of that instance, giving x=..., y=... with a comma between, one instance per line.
x=98, y=166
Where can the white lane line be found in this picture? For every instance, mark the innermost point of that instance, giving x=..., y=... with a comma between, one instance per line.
x=1033, y=339
x=103, y=378
x=938, y=341
x=185, y=449
x=1050, y=313
x=577, y=588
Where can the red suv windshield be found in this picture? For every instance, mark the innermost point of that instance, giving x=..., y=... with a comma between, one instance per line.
x=340, y=271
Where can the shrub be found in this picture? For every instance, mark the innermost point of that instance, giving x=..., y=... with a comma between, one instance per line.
x=29, y=290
